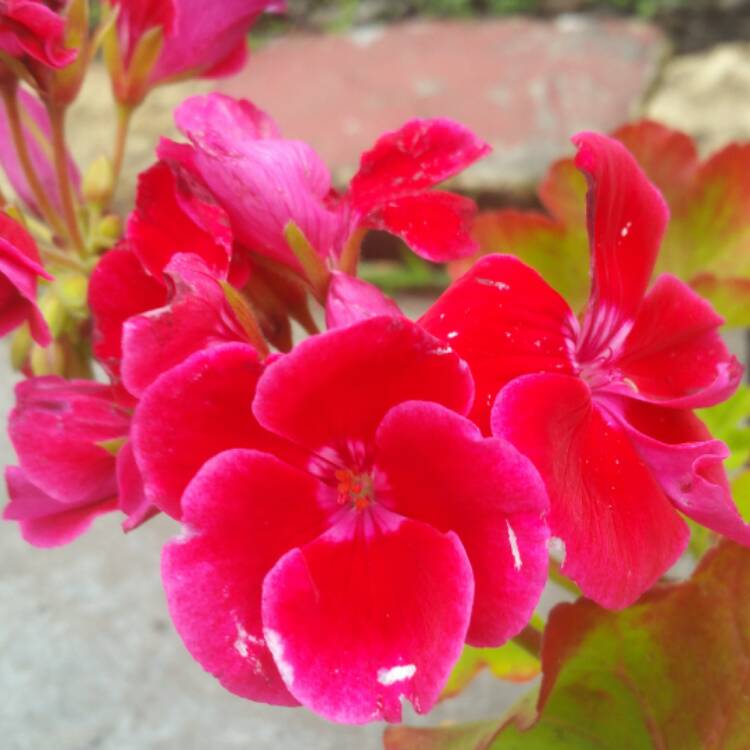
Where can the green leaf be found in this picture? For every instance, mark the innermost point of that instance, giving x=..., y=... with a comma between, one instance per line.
x=671, y=672
x=508, y=662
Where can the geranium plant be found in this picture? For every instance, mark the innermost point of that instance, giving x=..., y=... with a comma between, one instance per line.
x=368, y=507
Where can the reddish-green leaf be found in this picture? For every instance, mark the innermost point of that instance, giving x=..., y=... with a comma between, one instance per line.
x=670, y=673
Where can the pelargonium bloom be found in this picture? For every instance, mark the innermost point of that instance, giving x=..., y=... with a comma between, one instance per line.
x=34, y=29
x=264, y=181
x=64, y=432
x=20, y=268
x=199, y=38
x=603, y=406
x=349, y=576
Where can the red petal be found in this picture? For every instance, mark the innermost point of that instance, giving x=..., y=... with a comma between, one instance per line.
x=131, y=494
x=505, y=321
x=620, y=531
x=626, y=220
x=417, y=156
x=242, y=512
x=688, y=463
x=674, y=354
x=351, y=299
x=45, y=521
x=174, y=213
x=335, y=388
x=55, y=429
x=497, y=508
x=357, y=622
x=192, y=412
x=435, y=225
x=119, y=288
x=196, y=317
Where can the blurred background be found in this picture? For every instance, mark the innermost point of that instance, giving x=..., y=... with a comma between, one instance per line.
x=90, y=660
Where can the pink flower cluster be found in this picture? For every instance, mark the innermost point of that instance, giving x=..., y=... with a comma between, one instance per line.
x=358, y=506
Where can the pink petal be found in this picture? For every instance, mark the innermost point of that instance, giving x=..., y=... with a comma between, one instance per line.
x=505, y=321
x=30, y=27
x=417, y=156
x=131, y=494
x=43, y=520
x=195, y=318
x=679, y=449
x=119, y=288
x=443, y=472
x=262, y=182
x=351, y=299
x=242, y=512
x=207, y=35
x=38, y=137
x=20, y=269
x=620, y=531
x=55, y=429
x=174, y=214
x=435, y=225
x=336, y=388
x=674, y=354
x=357, y=622
x=192, y=412
x=626, y=221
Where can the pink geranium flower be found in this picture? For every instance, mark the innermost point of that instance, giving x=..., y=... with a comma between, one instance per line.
x=345, y=567
x=64, y=433
x=265, y=181
x=33, y=29
x=20, y=268
x=200, y=38
x=603, y=406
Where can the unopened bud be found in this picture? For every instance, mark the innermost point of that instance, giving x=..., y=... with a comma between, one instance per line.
x=98, y=180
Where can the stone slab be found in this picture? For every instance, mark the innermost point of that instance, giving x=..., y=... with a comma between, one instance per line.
x=525, y=85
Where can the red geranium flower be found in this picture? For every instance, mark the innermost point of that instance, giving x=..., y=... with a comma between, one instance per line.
x=33, y=28
x=345, y=567
x=263, y=181
x=602, y=407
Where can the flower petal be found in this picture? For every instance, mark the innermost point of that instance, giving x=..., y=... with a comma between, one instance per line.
x=192, y=412
x=56, y=427
x=337, y=386
x=174, y=214
x=351, y=299
x=131, y=494
x=620, y=531
x=195, y=318
x=435, y=225
x=497, y=508
x=679, y=449
x=119, y=288
x=505, y=321
x=626, y=220
x=358, y=620
x=674, y=354
x=45, y=521
x=417, y=156
x=242, y=512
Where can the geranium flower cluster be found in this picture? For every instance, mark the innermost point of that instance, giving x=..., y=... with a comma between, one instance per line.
x=358, y=505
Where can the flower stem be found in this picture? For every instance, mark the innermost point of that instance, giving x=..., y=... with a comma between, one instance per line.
x=562, y=580
x=9, y=96
x=350, y=254
x=124, y=116
x=57, y=123
x=530, y=640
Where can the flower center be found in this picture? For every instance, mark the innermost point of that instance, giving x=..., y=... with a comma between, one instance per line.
x=354, y=489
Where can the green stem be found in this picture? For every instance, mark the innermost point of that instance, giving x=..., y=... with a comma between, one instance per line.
x=9, y=95
x=57, y=123
x=124, y=116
